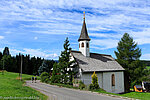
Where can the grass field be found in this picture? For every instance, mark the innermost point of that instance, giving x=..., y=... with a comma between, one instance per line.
x=136, y=95
x=11, y=87
x=148, y=67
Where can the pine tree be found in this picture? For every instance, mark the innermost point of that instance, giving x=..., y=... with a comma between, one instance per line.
x=128, y=56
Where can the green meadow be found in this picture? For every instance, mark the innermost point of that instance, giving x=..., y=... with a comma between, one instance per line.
x=11, y=87
x=135, y=95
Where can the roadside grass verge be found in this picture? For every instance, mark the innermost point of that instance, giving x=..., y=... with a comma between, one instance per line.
x=135, y=95
x=11, y=86
x=64, y=85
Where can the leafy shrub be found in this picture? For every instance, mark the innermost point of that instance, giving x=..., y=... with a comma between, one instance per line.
x=44, y=77
x=81, y=85
x=91, y=87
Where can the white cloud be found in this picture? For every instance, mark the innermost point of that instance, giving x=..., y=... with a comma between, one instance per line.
x=8, y=32
x=106, y=35
x=104, y=43
x=35, y=38
x=145, y=57
x=1, y=37
x=35, y=52
x=63, y=16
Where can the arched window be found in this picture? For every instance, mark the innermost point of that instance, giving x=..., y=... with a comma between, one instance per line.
x=87, y=45
x=82, y=44
x=113, y=79
x=79, y=45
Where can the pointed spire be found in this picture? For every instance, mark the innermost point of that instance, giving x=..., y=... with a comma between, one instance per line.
x=84, y=33
x=84, y=15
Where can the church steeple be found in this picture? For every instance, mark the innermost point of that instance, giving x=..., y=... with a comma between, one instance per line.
x=84, y=40
x=84, y=33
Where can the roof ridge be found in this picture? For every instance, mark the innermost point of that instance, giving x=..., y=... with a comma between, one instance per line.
x=101, y=54
x=75, y=51
x=92, y=53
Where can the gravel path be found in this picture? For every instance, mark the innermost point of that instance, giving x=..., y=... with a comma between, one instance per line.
x=60, y=93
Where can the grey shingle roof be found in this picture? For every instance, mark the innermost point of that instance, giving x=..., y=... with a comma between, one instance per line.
x=96, y=62
x=84, y=33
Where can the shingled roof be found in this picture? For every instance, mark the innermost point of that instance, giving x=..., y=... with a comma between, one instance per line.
x=84, y=33
x=96, y=62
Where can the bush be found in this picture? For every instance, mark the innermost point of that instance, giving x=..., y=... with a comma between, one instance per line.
x=81, y=85
x=93, y=87
x=44, y=77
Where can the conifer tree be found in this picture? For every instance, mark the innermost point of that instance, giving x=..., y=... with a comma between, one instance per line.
x=55, y=74
x=128, y=56
x=43, y=68
x=66, y=66
x=6, y=51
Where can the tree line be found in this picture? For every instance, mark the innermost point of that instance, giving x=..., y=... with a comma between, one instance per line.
x=30, y=65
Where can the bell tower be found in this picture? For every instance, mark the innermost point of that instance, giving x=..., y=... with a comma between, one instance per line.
x=84, y=40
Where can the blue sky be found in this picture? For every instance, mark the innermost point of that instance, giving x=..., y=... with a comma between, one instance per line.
x=39, y=27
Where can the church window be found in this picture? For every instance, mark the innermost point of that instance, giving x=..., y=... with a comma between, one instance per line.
x=87, y=45
x=79, y=45
x=82, y=44
x=113, y=79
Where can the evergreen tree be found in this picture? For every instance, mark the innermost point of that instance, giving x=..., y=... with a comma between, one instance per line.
x=1, y=55
x=6, y=51
x=5, y=62
x=43, y=68
x=128, y=55
x=66, y=66
x=56, y=74
x=33, y=64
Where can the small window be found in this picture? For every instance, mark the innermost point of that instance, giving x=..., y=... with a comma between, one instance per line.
x=87, y=45
x=113, y=79
x=82, y=44
x=79, y=45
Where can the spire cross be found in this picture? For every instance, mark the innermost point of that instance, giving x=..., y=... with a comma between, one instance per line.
x=84, y=14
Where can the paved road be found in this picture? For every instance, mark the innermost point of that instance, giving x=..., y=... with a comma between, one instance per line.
x=60, y=93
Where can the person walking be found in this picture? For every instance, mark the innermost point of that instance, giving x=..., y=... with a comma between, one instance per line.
x=35, y=79
x=32, y=79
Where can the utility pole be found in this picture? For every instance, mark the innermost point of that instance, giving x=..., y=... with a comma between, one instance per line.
x=21, y=69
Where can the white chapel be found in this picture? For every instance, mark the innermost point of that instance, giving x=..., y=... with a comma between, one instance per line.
x=110, y=73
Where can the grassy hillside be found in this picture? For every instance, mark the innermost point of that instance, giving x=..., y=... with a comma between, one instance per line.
x=10, y=86
x=148, y=67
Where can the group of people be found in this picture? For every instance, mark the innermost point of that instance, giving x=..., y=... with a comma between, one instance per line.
x=34, y=79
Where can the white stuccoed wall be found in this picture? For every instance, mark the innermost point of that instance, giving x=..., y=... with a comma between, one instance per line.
x=84, y=50
x=104, y=80
x=119, y=82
